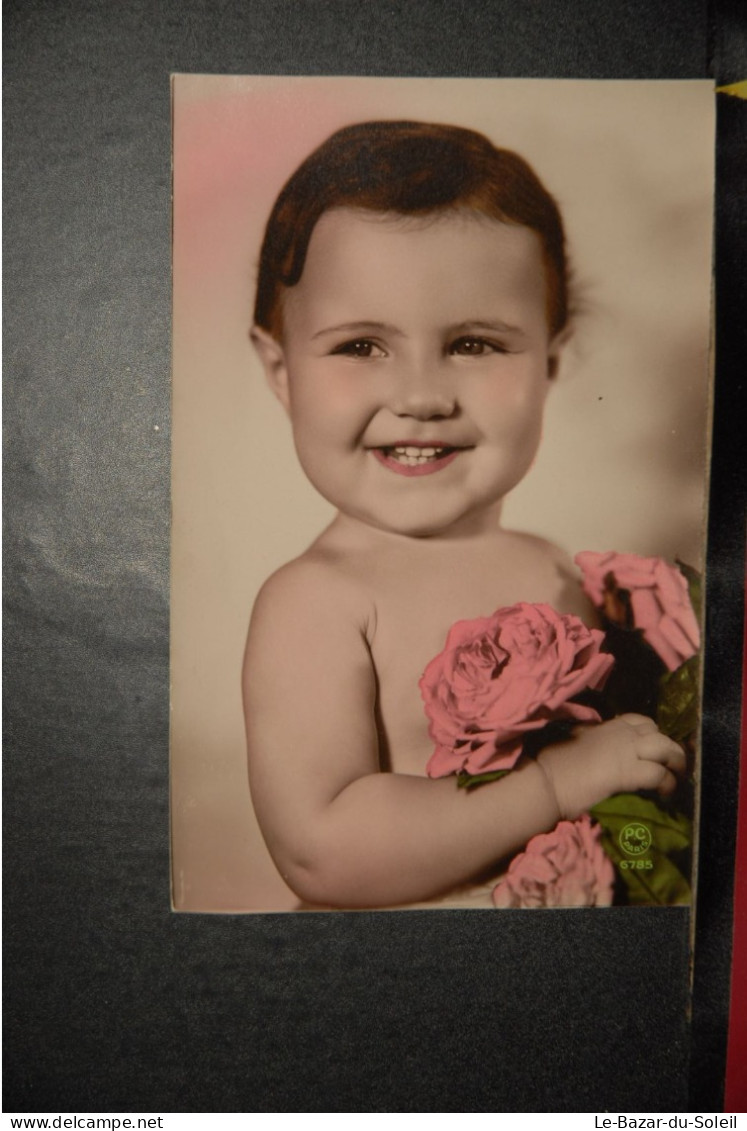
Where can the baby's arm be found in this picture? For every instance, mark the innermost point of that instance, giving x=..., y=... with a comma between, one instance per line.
x=343, y=833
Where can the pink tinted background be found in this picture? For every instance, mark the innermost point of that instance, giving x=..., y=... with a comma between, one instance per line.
x=623, y=459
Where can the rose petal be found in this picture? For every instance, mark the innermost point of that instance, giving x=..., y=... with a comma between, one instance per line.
x=502, y=676
x=567, y=867
x=659, y=598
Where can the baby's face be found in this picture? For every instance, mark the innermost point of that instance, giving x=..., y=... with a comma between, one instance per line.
x=414, y=366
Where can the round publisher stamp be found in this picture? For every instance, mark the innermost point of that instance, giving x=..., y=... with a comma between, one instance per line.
x=635, y=838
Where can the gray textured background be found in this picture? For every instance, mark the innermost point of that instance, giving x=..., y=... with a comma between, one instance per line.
x=112, y=1002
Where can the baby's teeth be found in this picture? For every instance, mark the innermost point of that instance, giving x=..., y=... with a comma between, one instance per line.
x=411, y=456
x=416, y=451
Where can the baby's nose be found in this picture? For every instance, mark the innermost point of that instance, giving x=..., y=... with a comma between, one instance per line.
x=423, y=398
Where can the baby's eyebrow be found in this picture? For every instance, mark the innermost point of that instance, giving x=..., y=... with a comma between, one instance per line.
x=359, y=328
x=471, y=326
x=494, y=326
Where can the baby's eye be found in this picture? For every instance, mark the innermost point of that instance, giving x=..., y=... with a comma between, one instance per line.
x=359, y=347
x=475, y=347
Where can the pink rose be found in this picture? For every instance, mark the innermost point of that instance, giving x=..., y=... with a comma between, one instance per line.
x=565, y=868
x=499, y=677
x=659, y=600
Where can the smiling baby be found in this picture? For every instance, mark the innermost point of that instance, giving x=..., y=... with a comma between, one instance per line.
x=412, y=307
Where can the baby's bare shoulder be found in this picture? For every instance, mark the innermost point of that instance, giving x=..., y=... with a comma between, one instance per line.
x=559, y=573
x=313, y=587
x=540, y=552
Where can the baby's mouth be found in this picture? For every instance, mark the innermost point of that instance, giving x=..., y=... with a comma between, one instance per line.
x=411, y=456
x=416, y=459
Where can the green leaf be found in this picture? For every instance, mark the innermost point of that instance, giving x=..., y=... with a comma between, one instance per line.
x=646, y=869
x=671, y=832
x=663, y=885
x=694, y=587
x=471, y=781
x=679, y=697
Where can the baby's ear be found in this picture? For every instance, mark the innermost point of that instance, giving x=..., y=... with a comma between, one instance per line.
x=272, y=356
x=555, y=350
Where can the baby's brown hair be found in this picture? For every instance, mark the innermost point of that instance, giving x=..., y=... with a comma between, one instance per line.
x=407, y=168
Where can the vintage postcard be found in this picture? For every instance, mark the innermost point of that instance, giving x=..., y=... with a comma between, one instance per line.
x=440, y=451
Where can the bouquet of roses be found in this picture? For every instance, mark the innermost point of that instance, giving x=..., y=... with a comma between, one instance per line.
x=508, y=684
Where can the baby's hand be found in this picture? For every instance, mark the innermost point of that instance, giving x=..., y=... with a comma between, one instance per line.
x=621, y=756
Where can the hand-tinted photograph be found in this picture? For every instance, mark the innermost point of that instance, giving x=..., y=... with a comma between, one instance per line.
x=440, y=452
